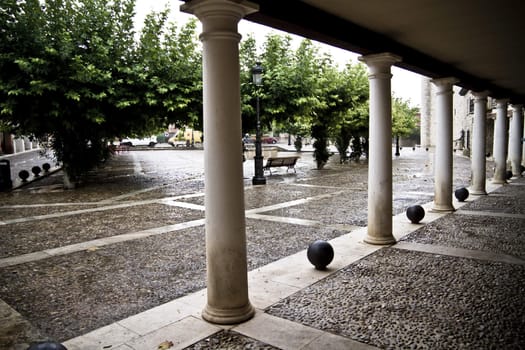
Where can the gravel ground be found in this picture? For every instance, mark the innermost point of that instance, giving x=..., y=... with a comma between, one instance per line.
x=403, y=299
x=474, y=232
x=65, y=296
x=27, y=237
x=97, y=287
x=501, y=203
x=230, y=340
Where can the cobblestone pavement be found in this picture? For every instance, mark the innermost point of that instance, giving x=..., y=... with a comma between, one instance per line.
x=131, y=237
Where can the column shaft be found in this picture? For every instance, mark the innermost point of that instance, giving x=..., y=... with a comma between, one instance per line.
x=444, y=147
x=500, y=142
x=380, y=149
x=515, y=142
x=226, y=261
x=426, y=112
x=478, y=162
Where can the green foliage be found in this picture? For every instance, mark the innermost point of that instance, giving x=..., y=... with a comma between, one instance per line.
x=404, y=120
x=73, y=71
x=321, y=153
x=305, y=93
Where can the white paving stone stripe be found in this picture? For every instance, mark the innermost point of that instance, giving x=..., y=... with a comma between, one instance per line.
x=292, y=203
x=459, y=252
x=47, y=253
x=77, y=212
x=130, y=194
x=183, y=205
x=286, y=220
x=96, y=243
x=165, y=201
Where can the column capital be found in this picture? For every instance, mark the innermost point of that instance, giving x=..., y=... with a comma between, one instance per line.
x=385, y=58
x=517, y=105
x=445, y=82
x=444, y=85
x=379, y=64
x=502, y=102
x=218, y=15
x=480, y=95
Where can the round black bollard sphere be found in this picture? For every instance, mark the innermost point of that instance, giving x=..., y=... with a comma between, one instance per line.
x=415, y=213
x=36, y=170
x=320, y=253
x=47, y=345
x=24, y=175
x=46, y=167
x=461, y=194
x=508, y=174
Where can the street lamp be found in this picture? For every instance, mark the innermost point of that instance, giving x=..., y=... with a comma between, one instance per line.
x=259, y=178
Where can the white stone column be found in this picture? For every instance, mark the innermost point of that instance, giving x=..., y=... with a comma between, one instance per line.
x=19, y=145
x=226, y=262
x=523, y=147
x=444, y=148
x=500, y=142
x=515, y=142
x=426, y=112
x=477, y=158
x=380, y=149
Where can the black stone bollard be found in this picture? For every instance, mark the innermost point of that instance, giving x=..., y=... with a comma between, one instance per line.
x=508, y=174
x=36, y=170
x=47, y=345
x=320, y=253
x=415, y=213
x=46, y=167
x=461, y=194
x=24, y=175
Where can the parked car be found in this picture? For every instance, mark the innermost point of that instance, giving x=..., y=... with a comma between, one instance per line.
x=269, y=139
x=148, y=141
x=175, y=142
x=264, y=139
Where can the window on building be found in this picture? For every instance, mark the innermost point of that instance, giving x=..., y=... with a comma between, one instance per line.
x=470, y=106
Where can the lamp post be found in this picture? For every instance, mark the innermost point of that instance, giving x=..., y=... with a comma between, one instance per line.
x=258, y=178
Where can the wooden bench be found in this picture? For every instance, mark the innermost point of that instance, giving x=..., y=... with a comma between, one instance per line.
x=288, y=162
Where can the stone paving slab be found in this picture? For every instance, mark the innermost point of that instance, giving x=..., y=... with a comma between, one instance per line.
x=404, y=299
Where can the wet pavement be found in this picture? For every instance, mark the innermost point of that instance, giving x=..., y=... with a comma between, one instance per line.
x=131, y=238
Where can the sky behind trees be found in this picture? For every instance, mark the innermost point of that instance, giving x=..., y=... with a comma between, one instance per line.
x=405, y=84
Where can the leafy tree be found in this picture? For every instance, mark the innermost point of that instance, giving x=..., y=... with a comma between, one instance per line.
x=403, y=119
x=352, y=125
x=73, y=71
x=248, y=59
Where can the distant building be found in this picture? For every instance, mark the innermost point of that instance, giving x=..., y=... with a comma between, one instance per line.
x=463, y=116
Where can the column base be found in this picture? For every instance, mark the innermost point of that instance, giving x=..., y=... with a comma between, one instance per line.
x=443, y=208
x=380, y=240
x=228, y=316
x=259, y=180
x=499, y=182
x=478, y=192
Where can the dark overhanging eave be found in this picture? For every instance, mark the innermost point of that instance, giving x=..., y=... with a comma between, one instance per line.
x=299, y=18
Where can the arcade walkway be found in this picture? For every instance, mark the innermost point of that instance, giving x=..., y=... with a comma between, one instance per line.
x=122, y=265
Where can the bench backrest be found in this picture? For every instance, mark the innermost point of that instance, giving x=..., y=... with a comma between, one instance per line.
x=281, y=161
